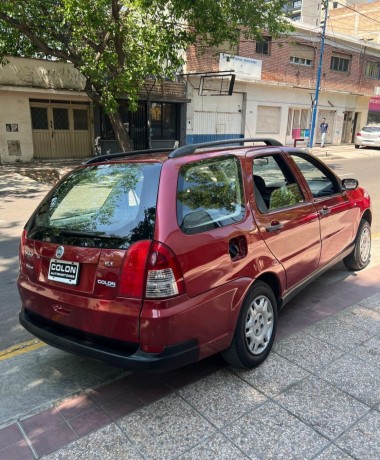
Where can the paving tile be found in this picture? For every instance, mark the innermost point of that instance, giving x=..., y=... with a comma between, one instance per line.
x=337, y=332
x=109, y=443
x=178, y=378
x=36, y=380
x=333, y=453
x=372, y=302
x=44, y=421
x=47, y=442
x=291, y=322
x=166, y=428
x=206, y=366
x=89, y=421
x=369, y=351
x=362, y=317
x=325, y=408
x=363, y=440
x=355, y=377
x=18, y=451
x=122, y=406
x=216, y=448
x=76, y=406
x=10, y=435
x=273, y=376
x=270, y=432
x=147, y=388
x=107, y=392
x=307, y=351
x=222, y=397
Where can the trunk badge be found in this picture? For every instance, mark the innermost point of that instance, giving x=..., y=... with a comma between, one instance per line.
x=59, y=252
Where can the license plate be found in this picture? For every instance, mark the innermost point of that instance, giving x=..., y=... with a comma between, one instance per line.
x=63, y=271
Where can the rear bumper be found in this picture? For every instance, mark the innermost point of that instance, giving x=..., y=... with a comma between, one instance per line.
x=173, y=357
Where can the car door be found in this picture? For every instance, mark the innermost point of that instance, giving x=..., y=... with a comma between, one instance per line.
x=287, y=218
x=336, y=211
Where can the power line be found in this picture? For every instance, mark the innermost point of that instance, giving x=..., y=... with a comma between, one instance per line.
x=359, y=13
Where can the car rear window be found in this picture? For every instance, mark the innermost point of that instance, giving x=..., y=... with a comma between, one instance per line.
x=371, y=129
x=108, y=206
x=209, y=195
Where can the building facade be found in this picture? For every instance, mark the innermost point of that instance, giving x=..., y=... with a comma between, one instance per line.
x=47, y=115
x=45, y=112
x=361, y=20
x=275, y=85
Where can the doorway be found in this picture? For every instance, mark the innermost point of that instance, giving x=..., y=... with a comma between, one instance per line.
x=347, y=127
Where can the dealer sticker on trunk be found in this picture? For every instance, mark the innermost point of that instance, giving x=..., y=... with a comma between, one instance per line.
x=63, y=271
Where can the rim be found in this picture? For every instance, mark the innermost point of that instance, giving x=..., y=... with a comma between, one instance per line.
x=259, y=325
x=365, y=244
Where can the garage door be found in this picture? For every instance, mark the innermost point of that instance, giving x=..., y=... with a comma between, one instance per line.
x=61, y=130
x=217, y=118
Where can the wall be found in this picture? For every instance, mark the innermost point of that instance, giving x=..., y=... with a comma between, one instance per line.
x=16, y=116
x=363, y=22
x=277, y=68
x=40, y=73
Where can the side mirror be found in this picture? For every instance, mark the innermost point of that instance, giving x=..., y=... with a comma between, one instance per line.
x=350, y=184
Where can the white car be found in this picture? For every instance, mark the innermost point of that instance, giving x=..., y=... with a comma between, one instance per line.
x=368, y=136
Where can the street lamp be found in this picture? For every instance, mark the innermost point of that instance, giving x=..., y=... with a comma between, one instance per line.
x=149, y=84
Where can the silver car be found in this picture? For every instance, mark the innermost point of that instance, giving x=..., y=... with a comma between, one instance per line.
x=368, y=136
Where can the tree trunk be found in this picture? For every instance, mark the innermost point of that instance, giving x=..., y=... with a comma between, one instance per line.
x=121, y=134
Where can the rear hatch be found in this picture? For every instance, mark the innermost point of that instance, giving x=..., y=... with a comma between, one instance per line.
x=75, y=246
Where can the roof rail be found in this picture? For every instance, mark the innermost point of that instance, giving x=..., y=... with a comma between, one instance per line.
x=112, y=156
x=189, y=149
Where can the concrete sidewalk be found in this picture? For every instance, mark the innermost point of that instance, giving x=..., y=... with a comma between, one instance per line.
x=316, y=397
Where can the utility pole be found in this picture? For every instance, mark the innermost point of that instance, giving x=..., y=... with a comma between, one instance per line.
x=315, y=101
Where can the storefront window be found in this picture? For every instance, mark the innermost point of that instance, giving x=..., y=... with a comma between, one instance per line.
x=164, y=120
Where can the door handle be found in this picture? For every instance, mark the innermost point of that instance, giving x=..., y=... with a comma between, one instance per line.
x=324, y=211
x=274, y=226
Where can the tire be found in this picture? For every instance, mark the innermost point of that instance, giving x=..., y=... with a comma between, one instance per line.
x=357, y=146
x=255, y=329
x=361, y=255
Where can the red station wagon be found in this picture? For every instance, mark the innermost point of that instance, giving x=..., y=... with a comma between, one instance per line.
x=153, y=260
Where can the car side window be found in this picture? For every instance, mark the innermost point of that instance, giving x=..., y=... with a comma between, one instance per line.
x=275, y=186
x=210, y=195
x=319, y=179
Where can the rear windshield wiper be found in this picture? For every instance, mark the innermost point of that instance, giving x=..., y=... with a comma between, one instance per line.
x=84, y=234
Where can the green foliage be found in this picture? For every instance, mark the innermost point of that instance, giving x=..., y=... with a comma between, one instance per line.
x=115, y=44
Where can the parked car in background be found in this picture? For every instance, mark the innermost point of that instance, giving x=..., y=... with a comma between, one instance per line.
x=153, y=260
x=368, y=136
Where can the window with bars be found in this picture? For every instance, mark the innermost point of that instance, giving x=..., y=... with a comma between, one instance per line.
x=80, y=119
x=263, y=46
x=372, y=70
x=39, y=118
x=61, y=119
x=340, y=64
x=300, y=61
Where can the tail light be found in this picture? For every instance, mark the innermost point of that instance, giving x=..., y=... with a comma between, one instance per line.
x=151, y=269
x=21, y=249
x=164, y=275
x=358, y=134
x=25, y=255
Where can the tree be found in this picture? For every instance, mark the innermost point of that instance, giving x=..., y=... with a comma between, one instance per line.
x=116, y=44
